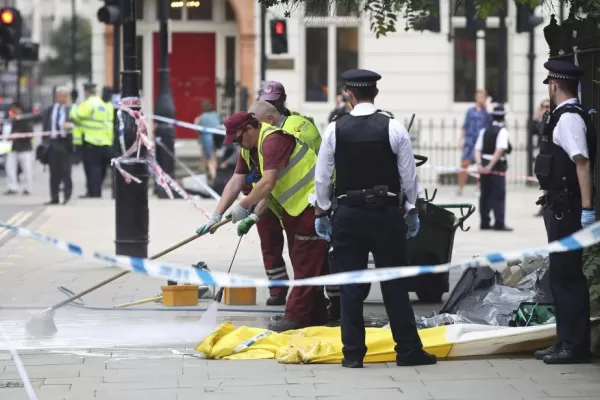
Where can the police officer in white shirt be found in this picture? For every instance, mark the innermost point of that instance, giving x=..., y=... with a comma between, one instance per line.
x=491, y=148
x=376, y=189
x=564, y=170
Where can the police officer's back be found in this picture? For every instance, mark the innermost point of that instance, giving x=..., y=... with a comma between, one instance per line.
x=375, y=186
x=94, y=133
x=564, y=170
x=491, y=149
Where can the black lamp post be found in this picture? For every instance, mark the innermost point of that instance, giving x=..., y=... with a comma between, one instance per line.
x=131, y=200
x=164, y=106
x=73, y=51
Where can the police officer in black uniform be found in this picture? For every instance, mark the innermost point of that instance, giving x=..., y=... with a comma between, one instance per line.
x=376, y=189
x=491, y=149
x=564, y=170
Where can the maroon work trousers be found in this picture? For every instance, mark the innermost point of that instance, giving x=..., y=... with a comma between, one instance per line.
x=308, y=253
x=270, y=232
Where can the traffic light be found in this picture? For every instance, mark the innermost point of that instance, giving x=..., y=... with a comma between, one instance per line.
x=526, y=19
x=474, y=24
x=110, y=13
x=430, y=19
x=279, y=39
x=11, y=27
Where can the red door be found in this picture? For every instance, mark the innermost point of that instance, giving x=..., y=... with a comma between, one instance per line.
x=193, y=75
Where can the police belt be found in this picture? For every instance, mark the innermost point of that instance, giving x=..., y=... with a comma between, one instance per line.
x=376, y=198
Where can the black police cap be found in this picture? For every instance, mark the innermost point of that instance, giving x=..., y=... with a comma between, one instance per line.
x=89, y=86
x=498, y=111
x=558, y=69
x=360, y=78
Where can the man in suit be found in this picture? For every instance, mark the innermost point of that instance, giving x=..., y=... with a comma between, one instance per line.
x=55, y=119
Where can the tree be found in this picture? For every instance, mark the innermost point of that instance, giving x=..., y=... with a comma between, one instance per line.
x=61, y=42
x=383, y=14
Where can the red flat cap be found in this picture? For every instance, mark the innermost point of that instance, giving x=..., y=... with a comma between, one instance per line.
x=234, y=123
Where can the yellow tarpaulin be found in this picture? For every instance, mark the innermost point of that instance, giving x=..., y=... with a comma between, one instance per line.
x=322, y=345
x=309, y=345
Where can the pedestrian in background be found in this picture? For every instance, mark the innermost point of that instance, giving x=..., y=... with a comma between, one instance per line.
x=21, y=153
x=476, y=119
x=342, y=106
x=56, y=120
x=209, y=118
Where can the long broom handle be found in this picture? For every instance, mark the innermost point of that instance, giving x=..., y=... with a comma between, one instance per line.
x=123, y=273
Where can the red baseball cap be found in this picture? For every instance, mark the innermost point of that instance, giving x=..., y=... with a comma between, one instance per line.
x=271, y=91
x=234, y=123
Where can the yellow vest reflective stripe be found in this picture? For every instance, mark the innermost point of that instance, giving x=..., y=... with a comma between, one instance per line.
x=93, y=122
x=297, y=180
x=271, y=202
x=303, y=129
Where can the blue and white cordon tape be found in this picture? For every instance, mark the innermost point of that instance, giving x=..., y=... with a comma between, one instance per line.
x=185, y=274
x=182, y=124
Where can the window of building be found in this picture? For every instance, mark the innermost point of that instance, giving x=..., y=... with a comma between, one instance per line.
x=230, y=59
x=229, y=13
x=139, y=49
x=346, y=53
x=465, y=63
x=175, y=9
x=317, y=8
x=139, y=9
x=479, y=63
x=317, y=64
x=338, y=34
x=199, y=10
x=345, y=8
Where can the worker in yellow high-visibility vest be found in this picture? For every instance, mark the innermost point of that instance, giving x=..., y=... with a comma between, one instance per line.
x=93, y=136
x=286, y=166
x=269, y=226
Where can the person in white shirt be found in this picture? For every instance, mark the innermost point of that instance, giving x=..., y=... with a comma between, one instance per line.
x=564, y=170
x=376, y=190
x=491, y=149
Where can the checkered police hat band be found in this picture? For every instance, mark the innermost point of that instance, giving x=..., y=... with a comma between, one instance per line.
x=361, y=84
x=554, y=75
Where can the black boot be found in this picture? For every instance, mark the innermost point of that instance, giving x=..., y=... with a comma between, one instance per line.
x=351, y=364
x=540, y=354
x=416, y=357
x=566, y=356
x=276, y=300
x=284, y=325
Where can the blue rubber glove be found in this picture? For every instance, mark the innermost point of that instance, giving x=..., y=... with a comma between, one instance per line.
x=413, y=225
x=588, y=217
x=323, y=227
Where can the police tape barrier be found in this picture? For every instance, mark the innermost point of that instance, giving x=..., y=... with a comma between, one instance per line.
x=185, y=274
x=25, y=135
x=187, y=125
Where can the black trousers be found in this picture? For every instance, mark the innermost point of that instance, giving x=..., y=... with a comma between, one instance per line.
x=492, y=198
x=356, y=232
x=59, y=161
x=95, y=163
x=568, y=283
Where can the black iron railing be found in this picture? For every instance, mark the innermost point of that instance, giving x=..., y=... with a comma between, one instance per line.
x=231, y=98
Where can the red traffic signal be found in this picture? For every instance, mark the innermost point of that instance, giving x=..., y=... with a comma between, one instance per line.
x=7, y=17
x=279, y=28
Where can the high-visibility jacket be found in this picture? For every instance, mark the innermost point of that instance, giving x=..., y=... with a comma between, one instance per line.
x=303, y=129
x=93, y=122
x=297, y=180
x=296, y=113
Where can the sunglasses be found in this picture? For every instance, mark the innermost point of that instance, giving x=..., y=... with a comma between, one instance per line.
x=238, y=139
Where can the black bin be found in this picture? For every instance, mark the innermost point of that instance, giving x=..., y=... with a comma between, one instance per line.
x=433, y=245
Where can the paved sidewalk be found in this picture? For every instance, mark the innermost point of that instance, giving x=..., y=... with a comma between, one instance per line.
x=149, y=355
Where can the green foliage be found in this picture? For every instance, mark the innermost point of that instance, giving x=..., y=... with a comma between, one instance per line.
x=61, y=43
x=383, y=14
x=591, y=269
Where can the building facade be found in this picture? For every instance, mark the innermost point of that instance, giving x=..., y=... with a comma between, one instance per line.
x=433, y=75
